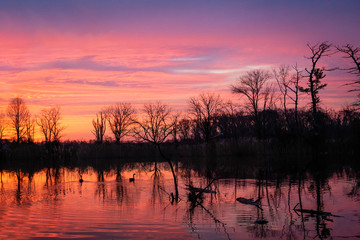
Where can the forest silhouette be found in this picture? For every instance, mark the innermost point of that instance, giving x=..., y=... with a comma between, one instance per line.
x=270, y=120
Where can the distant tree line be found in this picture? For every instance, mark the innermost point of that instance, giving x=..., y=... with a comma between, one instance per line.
x=19, y=121
x=271, y=110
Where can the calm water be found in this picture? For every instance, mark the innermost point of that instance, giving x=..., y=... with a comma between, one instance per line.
x=54, y=204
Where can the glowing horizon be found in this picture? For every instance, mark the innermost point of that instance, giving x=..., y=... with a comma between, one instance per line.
x=83, y=58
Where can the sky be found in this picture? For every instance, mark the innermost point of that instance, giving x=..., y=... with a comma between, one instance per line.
x=84, y=55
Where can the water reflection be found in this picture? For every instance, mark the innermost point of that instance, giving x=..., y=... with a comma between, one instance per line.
x=53, y=203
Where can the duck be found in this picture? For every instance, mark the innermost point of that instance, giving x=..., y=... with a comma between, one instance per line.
x=132, y=179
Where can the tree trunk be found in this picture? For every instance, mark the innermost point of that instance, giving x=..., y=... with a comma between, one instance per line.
x=172, y=171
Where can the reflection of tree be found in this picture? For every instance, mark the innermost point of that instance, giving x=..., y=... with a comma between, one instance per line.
x=317, y=187
x=100, y=191
x=321, y=229
x=191, y=210
x=259, y=230
x=155, y=128
x=157, y=187
x=18, y=194
x=1, y=178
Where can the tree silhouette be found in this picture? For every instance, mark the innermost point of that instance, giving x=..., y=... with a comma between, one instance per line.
x=294, y=87
x=49, y=123
x=99, y=125
x=156, y=126
x=2, y=125
x=19, y=116
x=120, y=119
x=353, y=53
x=184, y=129
x=252, y=86
x=205, y=108
x=316, y=74
x=283, y=79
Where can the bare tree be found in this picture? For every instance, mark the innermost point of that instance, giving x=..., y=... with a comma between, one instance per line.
x=19, y=116
x=30, y=129
x=229, y=121
x=283, y=79
x=157, y=124
x=176, y=127
x=155, y=127
x=49, y=123
x=294, y=88
x=184, y=128
x=316, y=74
x=2, y=125
x=353, y=53
x=253, y=86
x=205, y=108
x=120, y=118
x=99, y=125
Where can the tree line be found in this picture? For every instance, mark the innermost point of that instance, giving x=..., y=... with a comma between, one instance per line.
x=271, y=110
x=20, y=121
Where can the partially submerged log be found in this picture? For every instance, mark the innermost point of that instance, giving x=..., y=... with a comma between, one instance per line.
x=314, y=212
x=196, y=194
x=249, y=201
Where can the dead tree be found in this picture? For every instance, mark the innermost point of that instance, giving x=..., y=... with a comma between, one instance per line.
x=205, y=108
x=19, y=115
x=155, y=127
x=316, y=74
x=282, y=76
x=99, y=125
x=353, y=53
x=294, y=88
x=252, y=86
x=120, y=118
x=49, y=123
x=176, y=127
x=30, y=130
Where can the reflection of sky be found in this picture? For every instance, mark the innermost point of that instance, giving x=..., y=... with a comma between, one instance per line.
x=84, y=55
x=62, y=207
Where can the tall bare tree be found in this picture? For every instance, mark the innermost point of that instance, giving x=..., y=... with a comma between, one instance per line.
x=49, y=123
x=294, y=88
x=30, y=130
x=205, y=108
x=252, y=85
x=99, y=125
x=353, y=53
x=120, y=118
x=316, y=74
x=283, y=78
x=155, y=127
x=176, y=127
x=19, y=115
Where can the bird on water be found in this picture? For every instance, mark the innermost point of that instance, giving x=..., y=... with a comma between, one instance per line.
x=132, y=179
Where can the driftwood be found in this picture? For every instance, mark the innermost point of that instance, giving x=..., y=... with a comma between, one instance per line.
x=249, y=201
x=314, y=212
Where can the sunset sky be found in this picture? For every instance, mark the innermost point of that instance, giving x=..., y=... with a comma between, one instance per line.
x=84, y=55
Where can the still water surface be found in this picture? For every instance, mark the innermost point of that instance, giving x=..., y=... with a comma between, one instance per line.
x=53, y=203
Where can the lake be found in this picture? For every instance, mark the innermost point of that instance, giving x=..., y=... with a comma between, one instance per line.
x=52, y=203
